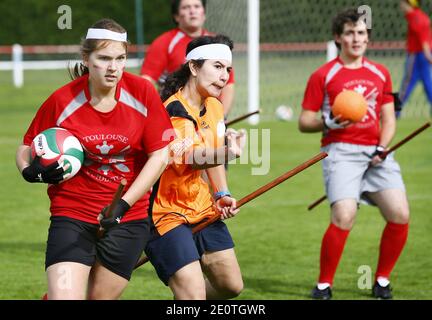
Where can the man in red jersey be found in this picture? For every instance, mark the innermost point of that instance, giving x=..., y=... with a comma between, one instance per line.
x=419, y=56
x=353, y=171
x=167, y=52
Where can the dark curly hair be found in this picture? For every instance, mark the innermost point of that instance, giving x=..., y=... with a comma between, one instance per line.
x=351, y=16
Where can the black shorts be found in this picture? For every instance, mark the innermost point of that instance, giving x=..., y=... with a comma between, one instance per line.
x=179, y=247
x=71, y=240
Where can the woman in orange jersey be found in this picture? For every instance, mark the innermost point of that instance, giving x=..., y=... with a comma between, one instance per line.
x=181, y=198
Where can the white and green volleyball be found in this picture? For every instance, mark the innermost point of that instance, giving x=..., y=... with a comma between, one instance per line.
x=54, y=143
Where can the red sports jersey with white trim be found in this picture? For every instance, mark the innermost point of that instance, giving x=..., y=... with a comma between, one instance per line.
x=418, y=30
x=167, y=53
x=372, y=80
x=116, y=143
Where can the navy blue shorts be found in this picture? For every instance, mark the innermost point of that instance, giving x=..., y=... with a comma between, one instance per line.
x=72, y=240
x=179, y=247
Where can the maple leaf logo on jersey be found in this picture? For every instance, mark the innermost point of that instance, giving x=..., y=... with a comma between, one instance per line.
x=360, y=89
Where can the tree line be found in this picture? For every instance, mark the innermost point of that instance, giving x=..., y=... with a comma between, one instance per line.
x=32, y=22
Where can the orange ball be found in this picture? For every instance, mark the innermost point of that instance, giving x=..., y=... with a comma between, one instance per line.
x=350, y=105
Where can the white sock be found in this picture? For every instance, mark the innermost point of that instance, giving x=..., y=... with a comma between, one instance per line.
x=323, y=285
x=383, y=282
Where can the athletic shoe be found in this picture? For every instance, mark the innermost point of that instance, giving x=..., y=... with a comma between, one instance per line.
x=324, y=294
x=380, y=292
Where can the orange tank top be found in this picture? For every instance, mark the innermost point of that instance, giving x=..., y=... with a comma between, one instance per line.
x=181, y=196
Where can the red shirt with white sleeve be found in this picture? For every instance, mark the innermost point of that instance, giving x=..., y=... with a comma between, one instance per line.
x=372, y=80
x=116, y=143
x=418, y=30
x=167, y=53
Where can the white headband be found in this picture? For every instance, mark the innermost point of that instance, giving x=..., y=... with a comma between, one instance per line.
x=210, y=51
x=105, y=34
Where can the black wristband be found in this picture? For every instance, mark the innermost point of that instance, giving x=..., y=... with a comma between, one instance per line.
x=117, y=214
x=30, y=176
x=118, y=211
x=124, y=207
x=36, y=172
x=379, y=150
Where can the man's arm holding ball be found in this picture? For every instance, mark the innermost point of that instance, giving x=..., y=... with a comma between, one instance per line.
x=310, y=122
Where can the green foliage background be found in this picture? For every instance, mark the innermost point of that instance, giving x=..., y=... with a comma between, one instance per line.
x=277, y=239
x=31, y=22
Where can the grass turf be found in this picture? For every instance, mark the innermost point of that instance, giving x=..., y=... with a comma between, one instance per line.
x=277, y=239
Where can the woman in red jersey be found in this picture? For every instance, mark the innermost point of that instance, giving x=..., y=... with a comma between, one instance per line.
x=120, y=121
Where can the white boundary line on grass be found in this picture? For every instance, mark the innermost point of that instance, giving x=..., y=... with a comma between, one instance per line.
x=56, y=64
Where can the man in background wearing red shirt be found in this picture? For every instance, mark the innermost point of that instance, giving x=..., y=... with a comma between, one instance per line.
x=168, y=51
x=419, y=56
x=353, y=171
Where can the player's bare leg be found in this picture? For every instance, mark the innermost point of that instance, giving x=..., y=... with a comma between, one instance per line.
x=343, y=213
x=67, y=281
x=224, y=279
x=188, y=283
x=393, y=205
x=105, y=284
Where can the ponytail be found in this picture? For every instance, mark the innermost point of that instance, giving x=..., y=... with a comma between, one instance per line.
x=78, y=70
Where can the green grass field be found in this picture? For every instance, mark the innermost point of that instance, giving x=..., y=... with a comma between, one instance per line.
x=277, y=239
